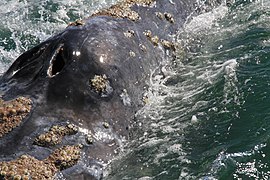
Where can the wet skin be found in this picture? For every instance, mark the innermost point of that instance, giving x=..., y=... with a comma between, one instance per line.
x=62, y=76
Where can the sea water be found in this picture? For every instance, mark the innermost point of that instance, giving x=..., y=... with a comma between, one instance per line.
x=209, y=118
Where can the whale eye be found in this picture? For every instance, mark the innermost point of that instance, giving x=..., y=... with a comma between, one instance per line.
x=57, y=62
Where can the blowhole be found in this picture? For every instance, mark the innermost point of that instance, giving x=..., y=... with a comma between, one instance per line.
x=57, y=62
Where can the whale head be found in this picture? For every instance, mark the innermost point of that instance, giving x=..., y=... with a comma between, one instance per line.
x=80, y=87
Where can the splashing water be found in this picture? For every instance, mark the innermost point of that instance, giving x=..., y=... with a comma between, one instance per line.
x=209, y=118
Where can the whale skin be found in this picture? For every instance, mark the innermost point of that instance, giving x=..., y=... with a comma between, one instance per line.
x=68, y=105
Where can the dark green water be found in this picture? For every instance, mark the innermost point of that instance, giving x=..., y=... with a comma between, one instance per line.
x=210, y=118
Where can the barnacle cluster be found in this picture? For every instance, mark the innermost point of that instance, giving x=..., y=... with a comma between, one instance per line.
x=167, y=44
x=89, y=139
x=123, y=9
x=129, y=33
x=132, y=54
x=166, y=15
x=27, y=167
x=160, y=15
x=141, y=2
x=145, y=99
x=148, y=33
x=76, y=23
x=55, y=135
x=100, y=83
x=65, y=157
x=153, y=39
x=12, y=113
x=143, y=47
x=169, y=17
x=106, y=125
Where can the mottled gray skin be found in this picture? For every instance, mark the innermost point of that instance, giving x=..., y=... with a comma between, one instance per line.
x=67, y=96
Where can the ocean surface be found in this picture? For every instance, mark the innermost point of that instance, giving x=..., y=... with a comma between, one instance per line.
x=209, y=118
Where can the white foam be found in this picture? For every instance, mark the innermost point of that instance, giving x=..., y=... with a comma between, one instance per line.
x=205, y=21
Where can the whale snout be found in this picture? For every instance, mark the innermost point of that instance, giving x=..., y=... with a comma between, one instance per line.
x=70, y=109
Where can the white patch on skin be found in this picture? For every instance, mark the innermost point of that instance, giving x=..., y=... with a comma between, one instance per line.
x=101, y=59
x=76, y=53
x=103, y=136
x=171, y=2
x=125, y=98
x=84, y=131
x=132, y=54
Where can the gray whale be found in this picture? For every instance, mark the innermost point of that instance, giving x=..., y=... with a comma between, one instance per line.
x=68, y=104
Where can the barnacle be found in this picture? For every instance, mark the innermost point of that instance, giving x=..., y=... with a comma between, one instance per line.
x=160, y=15
x=12, y=113
x=129, y=33
x=132, y=54
x=169, y=17
x=123, y=9
x=55, y=135
x=101, y=85
x=155, y=40
x=76, y=23
x=28, y=167
x=167, y=44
